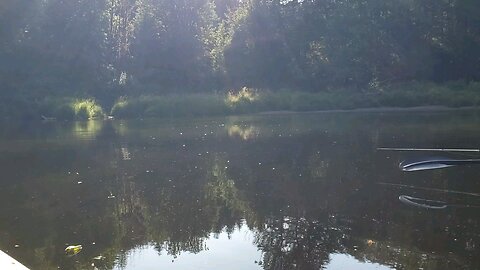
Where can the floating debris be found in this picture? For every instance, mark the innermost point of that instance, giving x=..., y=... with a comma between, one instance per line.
x=99, y=258
x=45, y=118
x=73, y=250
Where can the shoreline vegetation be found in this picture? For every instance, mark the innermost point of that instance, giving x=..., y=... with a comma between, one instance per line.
x=248, y=100
x=158, y=58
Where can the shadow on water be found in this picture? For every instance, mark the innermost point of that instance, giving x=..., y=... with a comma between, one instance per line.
x=301, y=189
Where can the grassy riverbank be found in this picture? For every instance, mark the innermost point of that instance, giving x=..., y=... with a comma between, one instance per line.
x=50, y=108
x=253, y=101
x=246, y=100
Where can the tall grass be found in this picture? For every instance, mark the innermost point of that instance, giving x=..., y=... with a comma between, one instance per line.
x=247, y=100
x=171, y=105
x=67, y=109
x=86, y=109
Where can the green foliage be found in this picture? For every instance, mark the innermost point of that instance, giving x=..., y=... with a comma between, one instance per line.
x=69, y=109
x=106, y=49
x=59, y=108
x=247, y=100
x=217, y=34
x=171, y=105
x=455, y=94
x=87, y=109
x=51, y=109
x=241, y=101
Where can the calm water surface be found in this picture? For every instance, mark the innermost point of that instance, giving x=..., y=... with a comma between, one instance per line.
x=287, y=191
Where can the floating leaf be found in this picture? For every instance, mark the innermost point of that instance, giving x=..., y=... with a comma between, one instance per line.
x=73, y=250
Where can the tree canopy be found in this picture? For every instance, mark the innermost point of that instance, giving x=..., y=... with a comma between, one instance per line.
x=109, y=48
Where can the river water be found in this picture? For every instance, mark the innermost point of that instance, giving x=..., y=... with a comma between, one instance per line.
x=278, y=191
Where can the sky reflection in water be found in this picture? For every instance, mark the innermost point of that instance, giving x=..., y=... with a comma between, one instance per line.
x=234, y=251
x=293, y=191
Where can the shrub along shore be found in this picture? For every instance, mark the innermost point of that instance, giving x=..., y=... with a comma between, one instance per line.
x=246, y=100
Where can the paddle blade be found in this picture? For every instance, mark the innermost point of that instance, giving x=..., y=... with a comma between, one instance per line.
x=422, y=203
x=424, y=166
x=426, y=163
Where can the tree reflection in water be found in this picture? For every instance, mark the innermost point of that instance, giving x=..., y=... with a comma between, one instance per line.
x=297, y=243
x=306, y=187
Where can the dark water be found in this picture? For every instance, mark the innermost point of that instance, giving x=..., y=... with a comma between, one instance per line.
x=292, y=191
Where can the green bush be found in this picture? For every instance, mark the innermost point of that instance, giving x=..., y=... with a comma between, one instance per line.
x=87, y=109
x=68, y=109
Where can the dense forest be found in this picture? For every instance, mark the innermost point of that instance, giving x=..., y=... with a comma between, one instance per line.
x=106, y=49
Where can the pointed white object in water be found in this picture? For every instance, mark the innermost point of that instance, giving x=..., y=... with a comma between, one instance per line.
x=424, y=166
x=431, y=163
x=422, y=203
x=9, y=263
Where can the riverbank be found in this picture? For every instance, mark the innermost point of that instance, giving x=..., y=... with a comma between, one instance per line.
x=382, y=110
x=416, y=96
x=411, y=96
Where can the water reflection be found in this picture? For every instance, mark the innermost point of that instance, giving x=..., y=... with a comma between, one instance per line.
x=243, y=132
x=343, y=261
x=225, y=250
x=87, y=129
x=303, y=194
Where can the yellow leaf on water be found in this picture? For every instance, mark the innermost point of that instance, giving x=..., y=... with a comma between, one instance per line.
x=73, y=250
